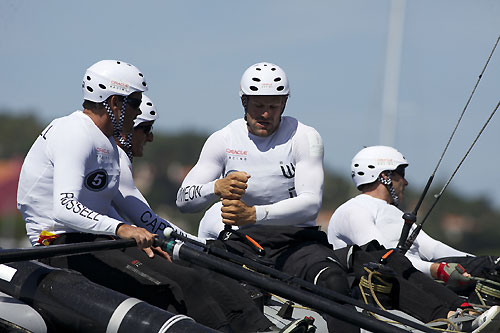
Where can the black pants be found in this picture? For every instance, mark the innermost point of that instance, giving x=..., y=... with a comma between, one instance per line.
x=305, y=253
x=209, y=298
x=415, y=293
x=300, y=252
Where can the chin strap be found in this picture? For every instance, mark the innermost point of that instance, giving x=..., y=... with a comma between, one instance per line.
x=388, y=183
x=126, y=144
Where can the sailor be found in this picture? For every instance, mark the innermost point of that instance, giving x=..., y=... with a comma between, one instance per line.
x=210, y=298
x=264, y=175
x=70, y=177
x=378, y=172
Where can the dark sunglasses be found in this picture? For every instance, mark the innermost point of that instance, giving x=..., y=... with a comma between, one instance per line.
x=400, y=171
x=147, y=129
x=134, y=102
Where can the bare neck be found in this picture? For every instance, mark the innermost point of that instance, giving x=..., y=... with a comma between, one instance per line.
x=379, y=191
x=101, y=120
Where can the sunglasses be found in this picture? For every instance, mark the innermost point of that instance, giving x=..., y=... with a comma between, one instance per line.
x=147, y=129
x=400, y=171
x=134, y=102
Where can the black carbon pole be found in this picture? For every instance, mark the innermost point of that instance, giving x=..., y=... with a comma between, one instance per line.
x=40, y=252
x=288, y=279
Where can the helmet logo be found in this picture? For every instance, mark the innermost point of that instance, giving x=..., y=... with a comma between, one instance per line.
x=120, y=85
x=385, y=161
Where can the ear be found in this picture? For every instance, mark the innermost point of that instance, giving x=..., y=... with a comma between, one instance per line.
x=115, y=103
x=384, y=175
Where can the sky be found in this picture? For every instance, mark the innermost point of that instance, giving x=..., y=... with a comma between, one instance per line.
x=193, y=54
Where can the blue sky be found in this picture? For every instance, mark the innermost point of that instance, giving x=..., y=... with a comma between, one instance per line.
x=194, y=52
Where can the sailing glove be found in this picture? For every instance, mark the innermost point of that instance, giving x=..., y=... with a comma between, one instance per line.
x=452, y=274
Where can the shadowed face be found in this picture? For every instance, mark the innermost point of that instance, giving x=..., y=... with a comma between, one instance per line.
x=263, y=114
x=399, y=182
x=131, y=111
x=142, y=133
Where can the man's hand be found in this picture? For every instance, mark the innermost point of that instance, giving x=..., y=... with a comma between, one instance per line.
x=143, y=237
x=236, y=212
x=232, y=186
x=159, y=251
x=451, y=274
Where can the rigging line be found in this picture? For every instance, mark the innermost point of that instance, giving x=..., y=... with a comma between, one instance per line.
x=415, y=232
x=466, y=105
x=404, y=242
x=468, y=151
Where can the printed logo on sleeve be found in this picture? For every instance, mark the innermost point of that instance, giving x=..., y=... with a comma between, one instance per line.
x=96, y=180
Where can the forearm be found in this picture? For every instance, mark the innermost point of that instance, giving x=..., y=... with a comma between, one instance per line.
x=193, y=197
x=301, y=209
x=423, y=266
x=69, y=211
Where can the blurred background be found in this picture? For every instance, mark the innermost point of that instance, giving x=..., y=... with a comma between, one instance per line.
x=362, y=73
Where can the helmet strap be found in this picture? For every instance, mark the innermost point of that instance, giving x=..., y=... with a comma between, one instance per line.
x=127, y=145
x=388, y=184
x=118, y=126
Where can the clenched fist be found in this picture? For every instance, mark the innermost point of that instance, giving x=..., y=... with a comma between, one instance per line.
x=232, y=186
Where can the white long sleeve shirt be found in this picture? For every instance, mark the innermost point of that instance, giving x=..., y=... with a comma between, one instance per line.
x=364, y=218
x=131, y=206
x=68, y=179
x=286, y=170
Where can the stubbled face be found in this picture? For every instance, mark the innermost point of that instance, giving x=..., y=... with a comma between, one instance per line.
x=142, y=133
x=399, y=182
x=131, y=111
x=263, y=114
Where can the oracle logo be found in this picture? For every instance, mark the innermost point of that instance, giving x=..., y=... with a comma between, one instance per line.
x=120, y=84
x=236, y=152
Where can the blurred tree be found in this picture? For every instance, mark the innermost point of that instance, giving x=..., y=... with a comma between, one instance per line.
x=17, y=133
x=470, y=224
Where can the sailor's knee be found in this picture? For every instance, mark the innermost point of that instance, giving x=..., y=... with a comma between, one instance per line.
x=333, y=278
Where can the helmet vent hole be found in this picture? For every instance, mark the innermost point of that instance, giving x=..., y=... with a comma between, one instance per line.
x=90, y=89
x=253, y=88
x=88, y=78
x=265, y=64
x=256, y=79
x=280, y=88
x=371, y=166
x=152, y=113
x=140, y=74
x=258, y=69
x=149, y=104
x=273, y=69
x=118, y=62
x=361, y=173
x=144, y=83
x=278, y=79
x=356, y=165
x=102, y=86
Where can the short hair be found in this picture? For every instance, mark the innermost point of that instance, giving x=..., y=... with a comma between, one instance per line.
x=89, y=105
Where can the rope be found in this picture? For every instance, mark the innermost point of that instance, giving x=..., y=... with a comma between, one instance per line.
x=293, y=305
x=483, y=288
x=384, y=287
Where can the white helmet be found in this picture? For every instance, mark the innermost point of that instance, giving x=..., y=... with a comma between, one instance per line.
x=264, y=79
x=148, y=111
x=111, y=77
x=367, y=165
